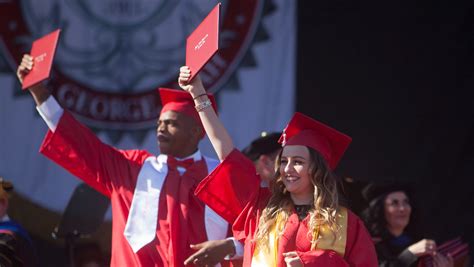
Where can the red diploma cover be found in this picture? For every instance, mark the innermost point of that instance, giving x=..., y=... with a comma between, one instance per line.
x=42, y=52
x=203, y=43
x=455, y=248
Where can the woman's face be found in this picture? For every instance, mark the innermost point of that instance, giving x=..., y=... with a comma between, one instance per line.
x=397, y=210
x=294, y=170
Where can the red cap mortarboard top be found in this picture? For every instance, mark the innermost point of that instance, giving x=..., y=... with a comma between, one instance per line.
x=303, y=130
x=181, y=101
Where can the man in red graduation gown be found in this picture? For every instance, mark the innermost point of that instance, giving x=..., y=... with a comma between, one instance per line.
x=156, y=217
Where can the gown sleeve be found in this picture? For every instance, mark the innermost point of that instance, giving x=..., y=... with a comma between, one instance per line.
x=231, y=187
x=360, y=250
x=103, y=167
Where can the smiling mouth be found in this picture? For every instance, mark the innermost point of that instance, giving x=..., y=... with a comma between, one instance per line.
x=292, y=179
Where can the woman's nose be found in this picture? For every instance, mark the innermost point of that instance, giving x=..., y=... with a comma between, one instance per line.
x=288, y=167
x=402, y=207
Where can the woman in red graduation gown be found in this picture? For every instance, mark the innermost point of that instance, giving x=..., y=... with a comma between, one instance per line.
x=298, y=221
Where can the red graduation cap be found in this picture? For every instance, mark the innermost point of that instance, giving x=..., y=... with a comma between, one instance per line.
x=181, y=101
x=303, y=130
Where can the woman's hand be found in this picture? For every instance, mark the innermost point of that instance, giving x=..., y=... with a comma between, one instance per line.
x=440, y=260
x=25, y=67
x=292, y=259
x=423, y=247
x=194, y=87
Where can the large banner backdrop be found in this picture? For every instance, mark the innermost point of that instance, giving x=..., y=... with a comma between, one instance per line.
x=112, y=56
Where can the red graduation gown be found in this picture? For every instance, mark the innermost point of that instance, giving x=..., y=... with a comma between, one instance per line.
x=114, y=173
x=233, y=191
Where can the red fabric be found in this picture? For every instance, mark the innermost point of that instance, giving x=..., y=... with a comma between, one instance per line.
x=321, y=257
x=182, y=107
x=184, y=212
x=174, y=163
x=181, y=101
x=233, y=191
x=114, y=173
x=305, y=131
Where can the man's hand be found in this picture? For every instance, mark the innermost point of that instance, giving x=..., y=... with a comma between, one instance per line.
x=38, y=91
x=211, y=252
x=292, y=259
x=194, y=87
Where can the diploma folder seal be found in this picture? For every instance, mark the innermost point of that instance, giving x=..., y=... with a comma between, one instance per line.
x=42, y=51
x=203, y=42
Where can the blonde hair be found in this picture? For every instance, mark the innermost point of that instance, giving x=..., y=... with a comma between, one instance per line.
x=324, y=207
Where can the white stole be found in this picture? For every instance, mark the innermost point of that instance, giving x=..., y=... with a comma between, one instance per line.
x=142, y=218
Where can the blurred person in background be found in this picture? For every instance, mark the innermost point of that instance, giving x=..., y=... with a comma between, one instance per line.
x=388, y=217
x=16, y=246
x=263, y=152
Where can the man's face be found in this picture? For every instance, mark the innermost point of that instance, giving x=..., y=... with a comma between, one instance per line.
x=265, y=166
x=178, y=134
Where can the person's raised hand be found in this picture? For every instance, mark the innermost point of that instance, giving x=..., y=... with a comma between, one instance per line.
x=423, y=247
x=38, y=91
x=25, y=67
x=195, y=87
x=292, y=259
